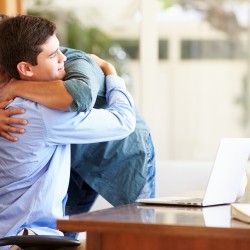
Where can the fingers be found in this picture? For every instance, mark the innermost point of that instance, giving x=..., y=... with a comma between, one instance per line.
x=8, y=113
x=18, y=121
x=8, y=137
x=7, y=120
x=14, y=111
x=14, y=120
x=11, y=129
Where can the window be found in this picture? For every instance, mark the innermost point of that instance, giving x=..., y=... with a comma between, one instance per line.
x=214, y=49
x=131, y=47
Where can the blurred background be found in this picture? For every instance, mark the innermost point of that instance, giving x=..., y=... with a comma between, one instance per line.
x=186, y=62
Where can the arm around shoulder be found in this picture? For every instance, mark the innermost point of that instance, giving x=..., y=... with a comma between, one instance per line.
x=113, y=123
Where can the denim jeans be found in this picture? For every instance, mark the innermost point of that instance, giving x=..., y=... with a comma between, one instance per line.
x=148, y=190
x=87, y=196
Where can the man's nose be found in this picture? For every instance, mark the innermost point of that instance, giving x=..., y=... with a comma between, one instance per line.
x=62, y=57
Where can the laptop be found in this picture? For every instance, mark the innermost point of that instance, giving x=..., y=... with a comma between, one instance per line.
x=225, y=179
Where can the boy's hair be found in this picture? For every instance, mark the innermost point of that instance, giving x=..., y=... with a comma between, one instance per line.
x=21, y=38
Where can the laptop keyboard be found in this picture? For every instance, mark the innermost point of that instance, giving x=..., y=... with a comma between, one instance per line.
x=193, y=200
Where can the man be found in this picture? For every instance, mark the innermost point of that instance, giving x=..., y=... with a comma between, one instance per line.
x=129, y=170
x=35, y=170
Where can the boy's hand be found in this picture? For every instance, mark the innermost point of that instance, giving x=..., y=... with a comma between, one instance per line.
x=6, y=121
x=107, y=68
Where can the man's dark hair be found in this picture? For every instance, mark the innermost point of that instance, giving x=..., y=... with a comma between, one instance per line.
x=21, y=38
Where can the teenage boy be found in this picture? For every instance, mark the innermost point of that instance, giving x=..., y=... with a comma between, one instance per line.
x=35, y=170
x=129, y=170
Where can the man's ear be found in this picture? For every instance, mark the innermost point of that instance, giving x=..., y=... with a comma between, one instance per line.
x=24, y=69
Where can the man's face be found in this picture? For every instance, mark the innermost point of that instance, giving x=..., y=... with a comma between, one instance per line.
x=50, y=62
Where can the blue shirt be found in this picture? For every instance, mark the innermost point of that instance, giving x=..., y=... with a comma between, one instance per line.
x=34, y=172
x=115, y=169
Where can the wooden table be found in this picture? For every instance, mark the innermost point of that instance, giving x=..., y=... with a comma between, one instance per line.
x=160, y=227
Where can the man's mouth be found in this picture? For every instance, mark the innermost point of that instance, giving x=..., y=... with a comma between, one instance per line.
x=61, y=69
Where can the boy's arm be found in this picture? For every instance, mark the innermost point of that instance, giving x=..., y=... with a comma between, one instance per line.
x=50, y=94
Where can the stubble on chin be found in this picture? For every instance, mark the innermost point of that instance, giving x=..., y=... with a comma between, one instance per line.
x=62, y=75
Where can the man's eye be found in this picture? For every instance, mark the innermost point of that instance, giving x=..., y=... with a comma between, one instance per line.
x=52, y=56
